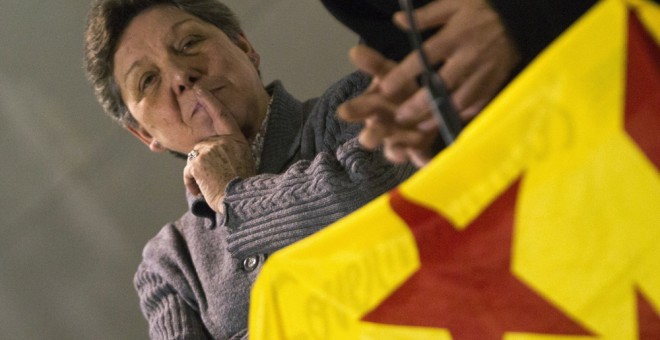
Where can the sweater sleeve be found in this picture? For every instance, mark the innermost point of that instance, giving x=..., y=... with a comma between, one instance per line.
x=169, y=316
x=267, y=212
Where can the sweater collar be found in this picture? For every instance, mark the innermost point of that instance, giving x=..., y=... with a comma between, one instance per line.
x=284, y=131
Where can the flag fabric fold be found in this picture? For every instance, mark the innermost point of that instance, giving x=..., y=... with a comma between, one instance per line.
x=542, y=221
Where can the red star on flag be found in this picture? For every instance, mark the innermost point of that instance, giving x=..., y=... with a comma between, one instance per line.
x=642, y=120
x=649, y=321
x=642, y=106
x=465, y=283
x=463, y=250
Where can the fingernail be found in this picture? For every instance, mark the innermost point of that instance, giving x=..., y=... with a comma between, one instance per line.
x=402, y=116
x=427, y=125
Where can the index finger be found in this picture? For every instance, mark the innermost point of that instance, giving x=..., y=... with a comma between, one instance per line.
x=223, y=122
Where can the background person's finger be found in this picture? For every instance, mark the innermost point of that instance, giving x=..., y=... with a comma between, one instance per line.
x=432, y=15
x=395, y=153
x=361, y=107
x=415, y=109
x=370, y=61
x=373, y=133
x=401, y=81
x=475, y=92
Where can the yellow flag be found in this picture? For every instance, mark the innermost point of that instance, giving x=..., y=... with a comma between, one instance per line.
x=542, y=221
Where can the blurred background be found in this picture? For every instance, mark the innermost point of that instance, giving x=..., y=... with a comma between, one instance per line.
x=80, y=196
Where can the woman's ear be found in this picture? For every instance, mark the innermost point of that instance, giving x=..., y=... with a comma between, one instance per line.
x=255, y=59
x=145, y=137
x=245, y=45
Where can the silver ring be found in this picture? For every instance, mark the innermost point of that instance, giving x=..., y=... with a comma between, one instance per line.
x=192, y=155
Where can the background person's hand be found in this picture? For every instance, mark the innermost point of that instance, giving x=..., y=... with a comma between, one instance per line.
x=477, y=58
x=220, y=158
x=477, y=54
x=405, y=135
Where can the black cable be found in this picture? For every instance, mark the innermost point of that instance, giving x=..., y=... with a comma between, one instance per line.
x=443, y=111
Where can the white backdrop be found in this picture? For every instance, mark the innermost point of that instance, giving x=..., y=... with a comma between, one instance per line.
x=80, y=196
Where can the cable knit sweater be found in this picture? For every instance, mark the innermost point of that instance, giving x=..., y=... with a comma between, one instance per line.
x=195, y=278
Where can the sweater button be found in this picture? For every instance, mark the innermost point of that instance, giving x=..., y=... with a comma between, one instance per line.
x=250, y=263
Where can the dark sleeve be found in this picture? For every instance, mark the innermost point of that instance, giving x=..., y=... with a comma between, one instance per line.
x=267, y=212
x=372, y=21
x=534, y=24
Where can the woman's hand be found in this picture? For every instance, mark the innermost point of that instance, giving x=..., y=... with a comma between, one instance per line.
x=219, y=159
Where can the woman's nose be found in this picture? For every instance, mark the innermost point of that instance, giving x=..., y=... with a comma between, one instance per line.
x=187, y=83
x=185, y=79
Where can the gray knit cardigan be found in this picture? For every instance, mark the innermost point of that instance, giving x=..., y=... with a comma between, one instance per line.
x=195, y=277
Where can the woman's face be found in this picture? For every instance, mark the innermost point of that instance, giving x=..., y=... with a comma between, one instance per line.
x=162, y=53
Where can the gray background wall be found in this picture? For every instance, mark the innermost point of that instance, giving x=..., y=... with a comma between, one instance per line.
x=80, y=196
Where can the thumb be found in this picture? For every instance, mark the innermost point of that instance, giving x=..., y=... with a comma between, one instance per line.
x=223, y=122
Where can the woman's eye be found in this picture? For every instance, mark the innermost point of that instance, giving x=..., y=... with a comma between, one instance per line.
x=146, y=81
x=189, y=43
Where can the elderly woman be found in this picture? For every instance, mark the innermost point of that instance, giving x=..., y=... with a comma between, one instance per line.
x=264, y=170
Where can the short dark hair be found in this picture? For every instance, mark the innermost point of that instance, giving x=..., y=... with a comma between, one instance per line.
x=107, y=20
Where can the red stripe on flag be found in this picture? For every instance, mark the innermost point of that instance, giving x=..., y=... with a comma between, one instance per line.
x=464, y=283
x=642, y=120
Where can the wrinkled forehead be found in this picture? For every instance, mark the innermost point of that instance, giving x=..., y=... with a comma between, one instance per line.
x=150, y=32
x=154, y=24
